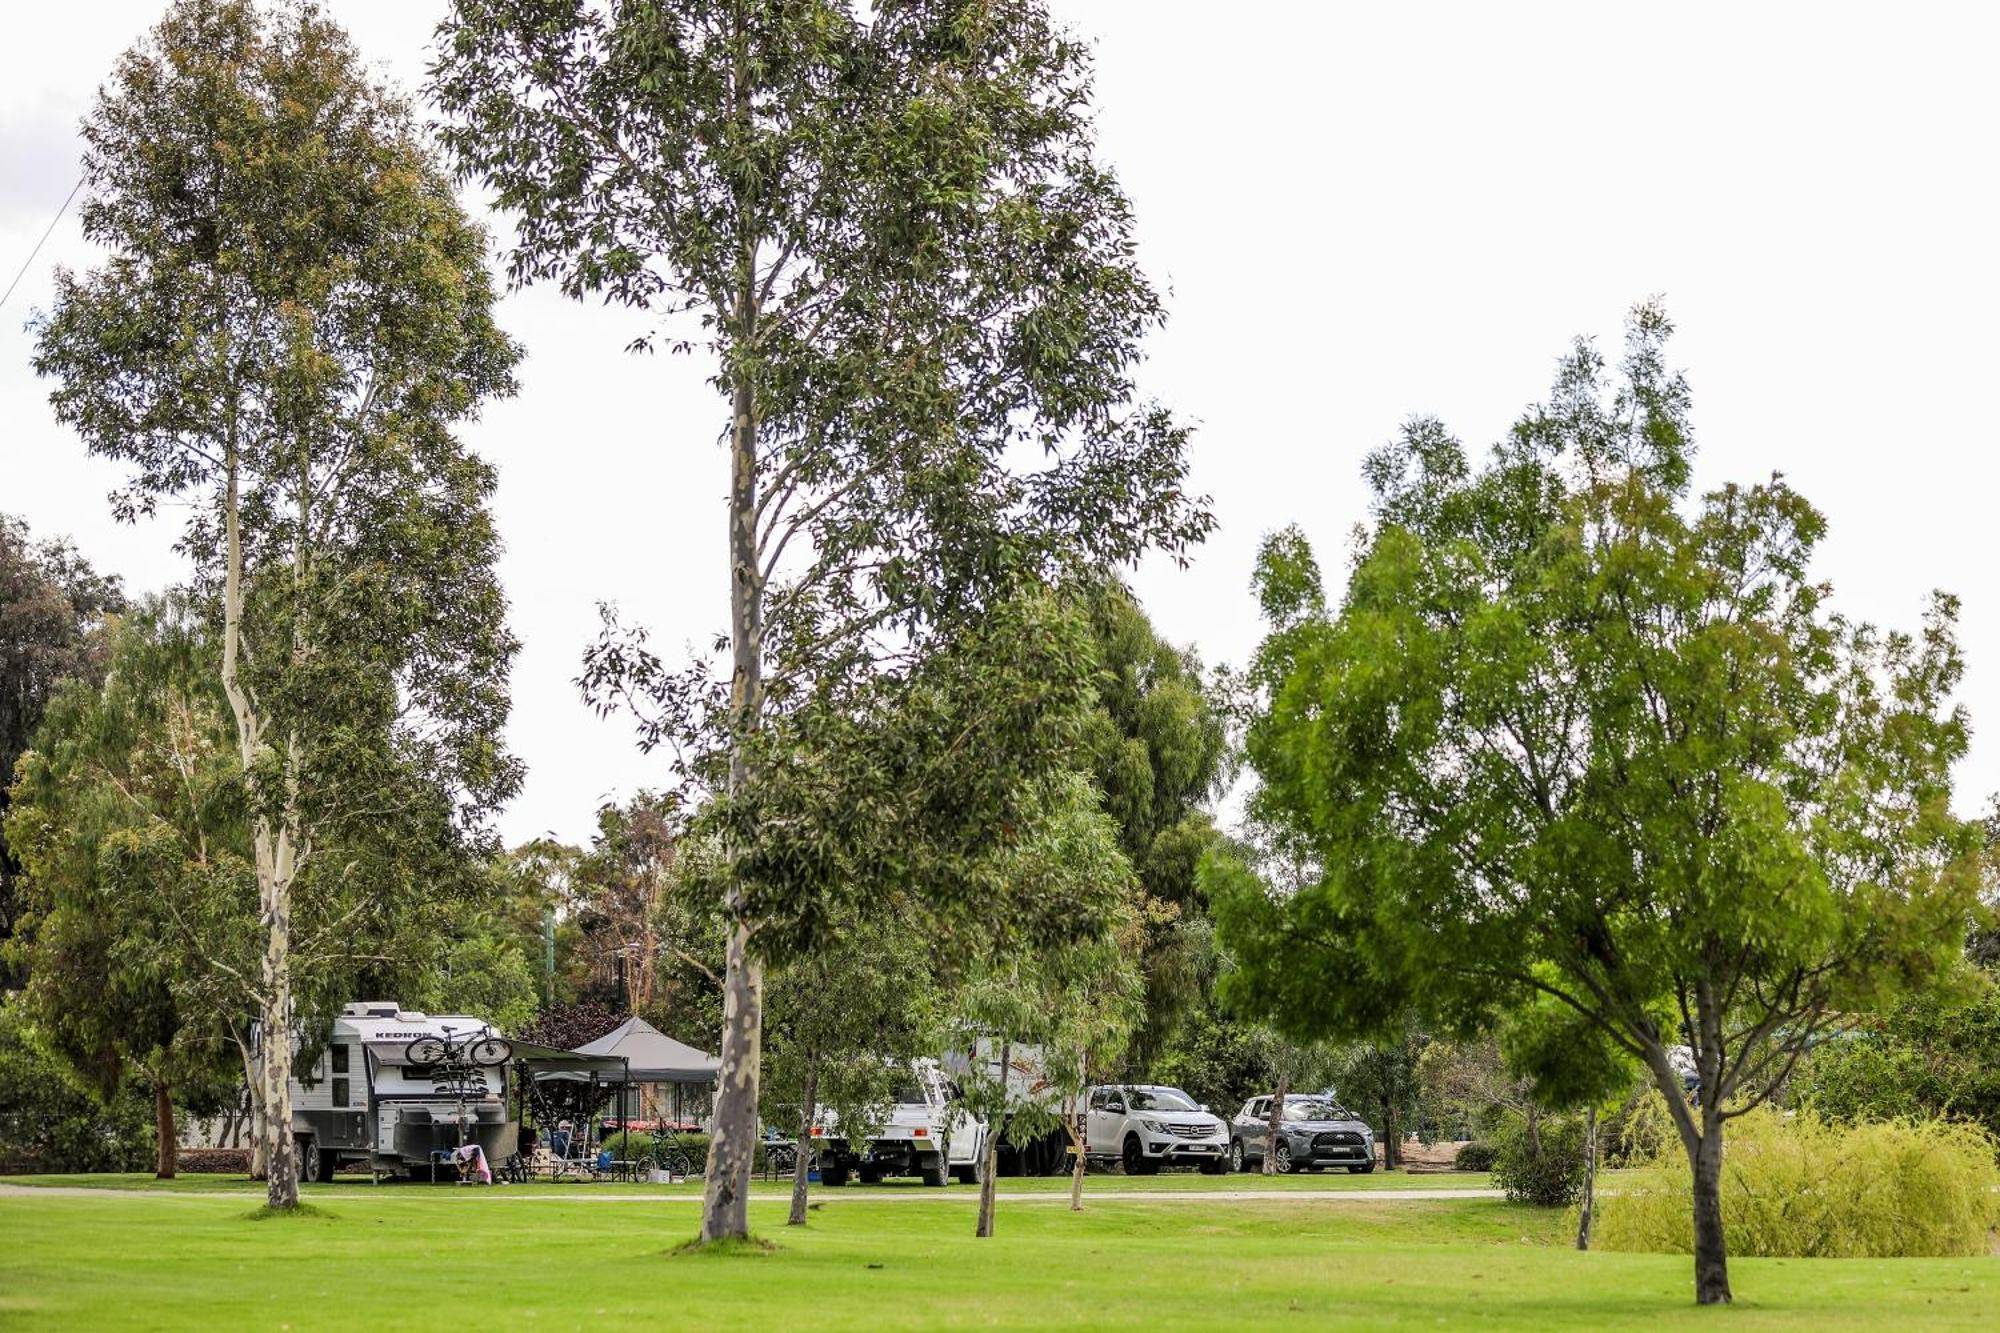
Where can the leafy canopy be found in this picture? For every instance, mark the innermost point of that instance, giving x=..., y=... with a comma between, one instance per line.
x=1584, y=750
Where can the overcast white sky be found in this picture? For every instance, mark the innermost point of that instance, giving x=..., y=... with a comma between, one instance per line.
x=1361, y=212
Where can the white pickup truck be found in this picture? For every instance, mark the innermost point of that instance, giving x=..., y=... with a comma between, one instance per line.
x=926, y=1134
x=1145, y=1126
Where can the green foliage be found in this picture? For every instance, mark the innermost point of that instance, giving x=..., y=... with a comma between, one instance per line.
x=481, y=975
x=48, y=1122
x=887, y=227
x=637, y=1147
x=1379, y=1081
x=1075, y=998
x=1477, y=1155
x=1586, y=753
x=1159, y=753
x=844, y=1020
x=1541, y=1161
x=1466, y=1087
x=1799, y=1185
x=293, y=319
x=52, y=609
x=128, y=818
x=1217, y=1058
x=1924, y=1058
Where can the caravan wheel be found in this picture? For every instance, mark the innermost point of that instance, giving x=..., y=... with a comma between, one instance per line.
x=312, y=1162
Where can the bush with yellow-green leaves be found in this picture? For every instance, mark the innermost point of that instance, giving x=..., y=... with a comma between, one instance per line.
x=1796, y=1185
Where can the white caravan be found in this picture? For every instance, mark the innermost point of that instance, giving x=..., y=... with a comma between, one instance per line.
x=364, y=1099
x=1044, y=1152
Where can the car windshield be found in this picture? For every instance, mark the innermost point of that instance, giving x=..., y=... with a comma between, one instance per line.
x=1160, y=1099
x=1315, y=1111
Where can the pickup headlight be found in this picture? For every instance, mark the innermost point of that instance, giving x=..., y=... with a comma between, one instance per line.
x=1155, y=1126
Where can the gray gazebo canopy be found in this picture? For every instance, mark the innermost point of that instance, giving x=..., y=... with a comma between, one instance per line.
x=550, y=1061
x=651, y=1055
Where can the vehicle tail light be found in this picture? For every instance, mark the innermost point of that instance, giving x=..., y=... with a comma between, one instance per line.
x=920, y=1133
x=818, y=1130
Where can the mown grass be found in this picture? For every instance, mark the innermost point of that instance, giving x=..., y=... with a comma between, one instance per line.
x=1166, y=1182
x=418, y=1258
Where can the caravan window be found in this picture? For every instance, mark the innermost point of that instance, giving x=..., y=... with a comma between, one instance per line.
x=340, y=1092
x=340, y=1059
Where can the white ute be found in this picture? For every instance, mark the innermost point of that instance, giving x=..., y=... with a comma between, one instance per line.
x=927, y=1134
x=1142, y=1126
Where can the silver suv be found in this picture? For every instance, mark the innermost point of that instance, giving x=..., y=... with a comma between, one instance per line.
x=1314, y=1132
x=1144, y=1126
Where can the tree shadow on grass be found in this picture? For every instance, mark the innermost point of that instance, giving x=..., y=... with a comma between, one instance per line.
x=303, y=1210
x=727, y=1247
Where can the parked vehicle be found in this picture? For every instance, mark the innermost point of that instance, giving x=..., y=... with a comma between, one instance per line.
x=1314, y=1132
x=1145, y=1126
x=1020, y=1152
x=392, y=1087
x=927, y=1134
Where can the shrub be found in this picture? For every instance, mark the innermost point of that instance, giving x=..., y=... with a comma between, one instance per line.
x=1477, y=1155
x=1550, y=1175
x=639, y=1146
x=1921, y=1059
x=48, y=1124
x=1802, y=1186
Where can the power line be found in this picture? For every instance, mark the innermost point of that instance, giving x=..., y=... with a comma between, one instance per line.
x=39, y=244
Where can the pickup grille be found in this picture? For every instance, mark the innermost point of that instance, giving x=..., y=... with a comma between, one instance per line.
x=1194, y=1131
x=1338, y=1138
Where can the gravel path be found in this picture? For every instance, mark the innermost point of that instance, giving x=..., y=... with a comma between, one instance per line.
x=533, y=1194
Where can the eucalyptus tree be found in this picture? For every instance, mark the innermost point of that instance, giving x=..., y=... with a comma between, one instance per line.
x=1160, y=753
x=294, y=316
x=886, y=228
x=1587, y=752
x=1073, y=998
x=844, y=1019
x=53, y=607
x=129, y=805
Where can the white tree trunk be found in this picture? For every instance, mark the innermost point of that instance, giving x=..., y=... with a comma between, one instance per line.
x=802, y=1162
x=275, y=1070
x=732, y=1148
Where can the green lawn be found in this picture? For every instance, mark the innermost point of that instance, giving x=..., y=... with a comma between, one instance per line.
x=421, y=1257
x=1165, y=1182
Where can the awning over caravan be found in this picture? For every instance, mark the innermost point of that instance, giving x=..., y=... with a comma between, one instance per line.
x=651, y=1055
x=544, y=1061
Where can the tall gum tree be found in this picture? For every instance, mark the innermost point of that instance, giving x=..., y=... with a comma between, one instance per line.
x=293, y=316
x=886, y=227
x=53, y=607
x=128, y=807
x=1584, y=751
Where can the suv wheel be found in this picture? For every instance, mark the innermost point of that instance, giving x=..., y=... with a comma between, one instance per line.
x=1282, y=1162
x=1136, y=1161
x=1236, y=1162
